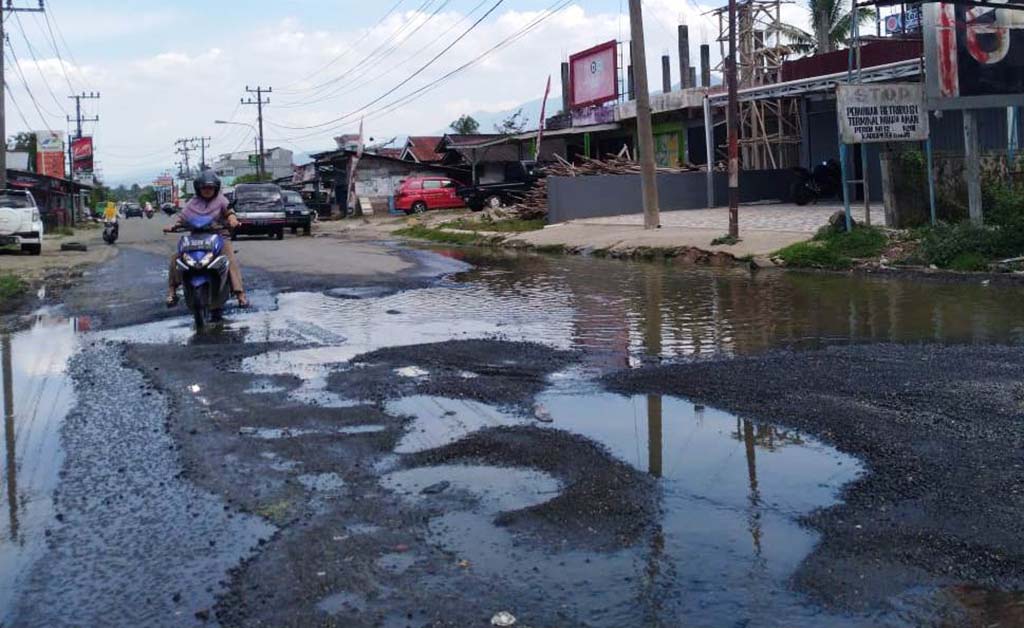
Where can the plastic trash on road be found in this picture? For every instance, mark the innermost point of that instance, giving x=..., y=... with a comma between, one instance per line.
x=504, y=618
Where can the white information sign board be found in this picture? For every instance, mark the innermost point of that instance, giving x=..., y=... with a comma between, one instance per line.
x=884, y=112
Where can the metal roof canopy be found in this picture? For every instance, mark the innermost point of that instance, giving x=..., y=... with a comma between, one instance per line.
x=531, y=135
x=825, y=83
x=1016, y=5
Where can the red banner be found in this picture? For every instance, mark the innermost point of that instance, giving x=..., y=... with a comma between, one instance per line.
x=50, y=164
x=81, y=154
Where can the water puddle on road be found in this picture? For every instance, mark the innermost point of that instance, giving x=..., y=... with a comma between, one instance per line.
x=725, y=544
x=37, y=394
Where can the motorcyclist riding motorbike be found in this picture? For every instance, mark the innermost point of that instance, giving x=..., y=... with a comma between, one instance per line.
x=207, y=202
x=147, y=209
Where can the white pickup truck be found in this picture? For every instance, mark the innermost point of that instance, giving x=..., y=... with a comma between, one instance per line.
x=20, y=222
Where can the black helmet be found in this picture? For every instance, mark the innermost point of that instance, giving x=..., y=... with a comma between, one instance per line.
x=206, y=178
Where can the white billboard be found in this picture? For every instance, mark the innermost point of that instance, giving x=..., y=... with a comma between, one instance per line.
x=886, y=112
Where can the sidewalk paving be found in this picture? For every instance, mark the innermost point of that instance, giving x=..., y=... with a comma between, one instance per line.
x=764, y=229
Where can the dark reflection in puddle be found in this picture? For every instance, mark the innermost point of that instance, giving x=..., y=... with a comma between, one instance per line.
x=724, y=547
x=37, y=394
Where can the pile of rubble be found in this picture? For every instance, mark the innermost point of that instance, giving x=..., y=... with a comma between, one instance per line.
x=534, y=203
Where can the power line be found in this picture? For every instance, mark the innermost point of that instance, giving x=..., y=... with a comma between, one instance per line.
x=352, y=47
x=426, y=65
x=366, y=68
x=17, y=107
x=67, y=48
x=31, y=96
x=367, y=59
x=377, y=76
x=39, y=68
x=385, y=109
x=56, y=50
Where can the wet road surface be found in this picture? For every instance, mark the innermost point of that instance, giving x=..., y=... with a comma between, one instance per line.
x=437, y=442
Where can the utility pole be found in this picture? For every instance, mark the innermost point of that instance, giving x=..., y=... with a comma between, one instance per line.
x=732, y=123
x=4, y=10
x=185, y=147
x=259, y=102
x=78, y=111
x=645, y=139
x=203, y=143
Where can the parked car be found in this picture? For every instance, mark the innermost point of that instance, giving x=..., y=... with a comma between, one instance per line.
x=168, y=208
x=418, y=194
x=20, y=221
x=297, y=214
x=132, y=210
x=260, y=210
x=520, y=177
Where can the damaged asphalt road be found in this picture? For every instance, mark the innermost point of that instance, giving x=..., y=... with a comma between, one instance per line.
x=419, y=449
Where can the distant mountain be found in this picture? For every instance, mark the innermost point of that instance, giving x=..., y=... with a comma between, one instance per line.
x=531, y=111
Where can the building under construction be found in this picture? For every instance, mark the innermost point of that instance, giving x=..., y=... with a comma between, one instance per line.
x=770, y=129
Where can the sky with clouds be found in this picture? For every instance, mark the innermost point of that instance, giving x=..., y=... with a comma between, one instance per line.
x=169, y=69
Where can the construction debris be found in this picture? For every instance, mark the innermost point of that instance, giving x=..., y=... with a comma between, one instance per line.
x=534, y=203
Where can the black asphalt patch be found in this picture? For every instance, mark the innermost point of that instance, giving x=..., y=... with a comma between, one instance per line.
x=942, y=432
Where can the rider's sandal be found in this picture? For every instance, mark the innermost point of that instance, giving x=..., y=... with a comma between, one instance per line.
x=243, y=301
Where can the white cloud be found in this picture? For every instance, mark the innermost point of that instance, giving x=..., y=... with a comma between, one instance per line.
x=149, y=101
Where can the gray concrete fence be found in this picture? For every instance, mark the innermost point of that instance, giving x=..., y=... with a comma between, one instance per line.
x=572, y=198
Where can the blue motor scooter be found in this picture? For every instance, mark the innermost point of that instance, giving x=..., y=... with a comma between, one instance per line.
x=204, y=271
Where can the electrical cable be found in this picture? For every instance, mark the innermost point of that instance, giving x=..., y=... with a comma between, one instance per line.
x=416, y=94
x=367, y=59
x=56, y=50
x=39, y=68
x=343, y=53
x=67, y=48
x=17, y=107
x=380, y=75
x=426, y=65
x=31, y=96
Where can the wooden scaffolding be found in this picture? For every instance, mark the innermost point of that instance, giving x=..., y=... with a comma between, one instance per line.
x=769, y=131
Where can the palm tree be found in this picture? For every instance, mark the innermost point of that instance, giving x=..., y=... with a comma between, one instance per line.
x=833, y=26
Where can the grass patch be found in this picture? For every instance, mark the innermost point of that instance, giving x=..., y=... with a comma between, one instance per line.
x=833, y=250
x=813, y=254
x=11, y=288
x=63, y=231
x=507, y=225
x=968, y=262
x=419, y=232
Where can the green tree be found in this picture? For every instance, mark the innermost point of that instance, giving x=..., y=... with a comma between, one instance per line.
x=465, y=125
x=832, y=23
x=512, y=125
x=148, y=194
x=25, y=142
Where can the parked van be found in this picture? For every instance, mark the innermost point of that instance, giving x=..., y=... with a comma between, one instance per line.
x=418, y=194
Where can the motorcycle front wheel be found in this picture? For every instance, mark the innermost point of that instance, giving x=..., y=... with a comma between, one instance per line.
x=801, y=194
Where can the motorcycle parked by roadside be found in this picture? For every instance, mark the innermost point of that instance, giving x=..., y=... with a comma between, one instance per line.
x=204, y=271
x=825, y=181
x=110, y=231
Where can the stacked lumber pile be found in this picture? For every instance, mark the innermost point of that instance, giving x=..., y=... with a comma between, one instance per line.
x=534, y=203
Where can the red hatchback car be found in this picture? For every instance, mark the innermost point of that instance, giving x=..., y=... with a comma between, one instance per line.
x=418, y=194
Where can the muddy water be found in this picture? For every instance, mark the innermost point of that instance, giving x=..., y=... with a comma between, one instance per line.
x=37, y=394
x=731, y=491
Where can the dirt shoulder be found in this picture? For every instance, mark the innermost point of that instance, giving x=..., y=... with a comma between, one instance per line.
x=939, y=429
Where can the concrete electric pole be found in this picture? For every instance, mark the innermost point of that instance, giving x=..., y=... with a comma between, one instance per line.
x=78, y=119
x=645, y=134
x=259, y=102
x=732, y=124
x=203, y=143
x=185, y=147
x=6, y=8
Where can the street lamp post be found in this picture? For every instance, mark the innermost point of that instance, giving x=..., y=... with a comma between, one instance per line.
x=255, y=138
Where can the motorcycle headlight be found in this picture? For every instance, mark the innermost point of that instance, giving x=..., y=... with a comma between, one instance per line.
x=191, y=263
x=206, y=260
